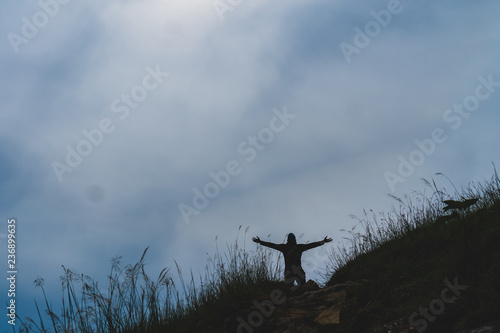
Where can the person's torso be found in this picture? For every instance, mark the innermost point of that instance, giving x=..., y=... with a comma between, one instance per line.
x=292, y=255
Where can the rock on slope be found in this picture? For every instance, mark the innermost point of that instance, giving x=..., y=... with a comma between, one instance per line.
x=311, y=309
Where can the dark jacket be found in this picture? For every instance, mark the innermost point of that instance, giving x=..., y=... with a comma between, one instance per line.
x=292, y=252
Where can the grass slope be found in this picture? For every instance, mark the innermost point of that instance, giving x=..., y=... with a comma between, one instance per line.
x=402, y=265
x=408, y=274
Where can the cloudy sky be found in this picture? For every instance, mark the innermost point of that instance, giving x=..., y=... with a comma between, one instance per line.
x=128, y=124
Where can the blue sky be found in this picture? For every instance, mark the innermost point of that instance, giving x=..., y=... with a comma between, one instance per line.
x=154, y=96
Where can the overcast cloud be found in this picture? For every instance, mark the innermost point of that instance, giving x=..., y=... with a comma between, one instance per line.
x=311, y=116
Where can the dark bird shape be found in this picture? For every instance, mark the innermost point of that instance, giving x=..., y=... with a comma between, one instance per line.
x=453, y=204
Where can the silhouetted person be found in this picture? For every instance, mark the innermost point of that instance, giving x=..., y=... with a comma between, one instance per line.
x=292, y=252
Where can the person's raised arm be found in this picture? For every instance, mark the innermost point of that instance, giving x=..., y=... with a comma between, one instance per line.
x=268, y=244
x=316, y=244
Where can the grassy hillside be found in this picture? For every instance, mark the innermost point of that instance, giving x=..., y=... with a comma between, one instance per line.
x=416, y=266
x=406, y=280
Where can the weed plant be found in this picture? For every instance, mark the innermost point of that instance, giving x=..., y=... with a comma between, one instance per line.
x=134, y=302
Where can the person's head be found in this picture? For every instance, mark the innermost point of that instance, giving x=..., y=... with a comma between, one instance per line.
x=291, y=239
